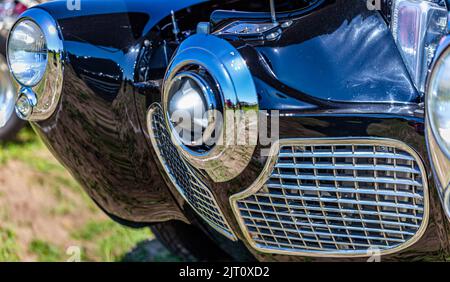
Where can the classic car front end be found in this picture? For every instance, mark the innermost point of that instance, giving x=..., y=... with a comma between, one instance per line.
x=300, y=130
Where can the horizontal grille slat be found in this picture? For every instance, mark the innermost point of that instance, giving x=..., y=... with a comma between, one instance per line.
x=325, y=242
x=342, y=198
x=345, y=190
x=347, y=179
x=332, y=218
x=344, y=201
x=342, y=235
x=350, y=167
x=338, y=210
x=343, y=227
x=347, y=155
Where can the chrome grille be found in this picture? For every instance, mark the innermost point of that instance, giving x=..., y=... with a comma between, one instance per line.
x=184, y=177
x=336, y=197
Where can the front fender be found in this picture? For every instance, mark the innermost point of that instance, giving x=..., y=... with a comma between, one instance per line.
x=95, y=131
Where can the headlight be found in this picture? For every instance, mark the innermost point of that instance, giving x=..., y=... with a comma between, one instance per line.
x=35, y=55
x=438, y=122
x=27, y=53
x=438, y=101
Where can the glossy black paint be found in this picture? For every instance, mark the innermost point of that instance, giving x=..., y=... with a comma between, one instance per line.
x=348, y=80
x=95, y=131
x=343, y=52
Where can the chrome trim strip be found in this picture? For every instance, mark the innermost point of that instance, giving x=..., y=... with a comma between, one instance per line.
x=323, y=252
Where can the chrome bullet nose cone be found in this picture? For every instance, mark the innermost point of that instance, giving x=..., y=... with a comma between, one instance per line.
x=190, y=104
x=189, y=101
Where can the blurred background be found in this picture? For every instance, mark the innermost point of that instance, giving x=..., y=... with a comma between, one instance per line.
x=46, y=216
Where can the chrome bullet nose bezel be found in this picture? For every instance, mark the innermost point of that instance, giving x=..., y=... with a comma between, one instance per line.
x=237, y=102
x=48, y=90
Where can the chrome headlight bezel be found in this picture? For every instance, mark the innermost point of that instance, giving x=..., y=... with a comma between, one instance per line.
x=439, y=63
x=438, y=150
x=47, y=90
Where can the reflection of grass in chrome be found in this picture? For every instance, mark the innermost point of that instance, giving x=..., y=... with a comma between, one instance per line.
x=248, y=108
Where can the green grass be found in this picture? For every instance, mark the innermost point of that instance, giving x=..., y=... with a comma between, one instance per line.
x=99, y=240
x=110, y=242
x=113, y=241
x=27, y=148
x=45, y=251
x=8, y=246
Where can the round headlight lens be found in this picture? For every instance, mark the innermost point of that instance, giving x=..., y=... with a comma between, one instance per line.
x=438, y=101
x=27, y=53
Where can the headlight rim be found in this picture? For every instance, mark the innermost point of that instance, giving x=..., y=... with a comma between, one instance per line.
x=48, y=90
x=441, y=53
x=19, y=21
